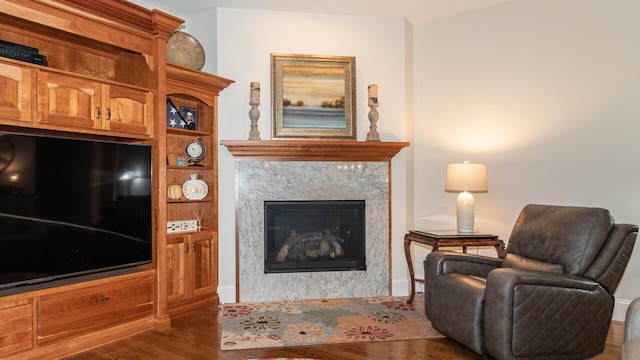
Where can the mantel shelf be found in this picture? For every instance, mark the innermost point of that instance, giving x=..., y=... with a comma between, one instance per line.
x=313, y=150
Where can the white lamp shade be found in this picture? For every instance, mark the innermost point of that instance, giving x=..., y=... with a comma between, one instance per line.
x=466, y=177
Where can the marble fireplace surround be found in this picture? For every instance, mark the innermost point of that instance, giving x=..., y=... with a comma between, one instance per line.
x=311, y=170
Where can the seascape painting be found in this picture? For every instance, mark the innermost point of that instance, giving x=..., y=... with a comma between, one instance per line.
x=313, y=96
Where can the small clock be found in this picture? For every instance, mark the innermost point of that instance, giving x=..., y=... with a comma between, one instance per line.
x=196, y=151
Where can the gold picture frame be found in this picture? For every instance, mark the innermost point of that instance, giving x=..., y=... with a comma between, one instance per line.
x=313, y=97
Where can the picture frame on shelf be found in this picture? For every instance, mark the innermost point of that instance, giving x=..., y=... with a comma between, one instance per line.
x=190, y=116
x=174, y=118
x=313, y=96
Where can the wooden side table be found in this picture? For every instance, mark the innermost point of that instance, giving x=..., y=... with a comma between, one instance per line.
x=446, y=238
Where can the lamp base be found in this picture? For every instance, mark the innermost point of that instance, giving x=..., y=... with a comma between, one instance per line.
x=464, y=212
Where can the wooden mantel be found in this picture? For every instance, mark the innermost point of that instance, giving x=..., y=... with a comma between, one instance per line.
x=313, y=150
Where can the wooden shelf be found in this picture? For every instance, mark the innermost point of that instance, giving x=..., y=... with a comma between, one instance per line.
x=188, y=168
x=187, y=201
x=194, y=133
x=313, y=150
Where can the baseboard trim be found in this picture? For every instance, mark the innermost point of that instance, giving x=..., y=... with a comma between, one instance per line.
x=620, y=309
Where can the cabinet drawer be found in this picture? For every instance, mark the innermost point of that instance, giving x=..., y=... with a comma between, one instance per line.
x=16, y=326
x=77, y=312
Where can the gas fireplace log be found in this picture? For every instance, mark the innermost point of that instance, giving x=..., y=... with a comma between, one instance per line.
x=300, y=245
x=309, y=245
x=284, y=250
x=337, y=249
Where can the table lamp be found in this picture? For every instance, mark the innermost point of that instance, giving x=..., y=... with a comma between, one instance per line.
x=465, y=178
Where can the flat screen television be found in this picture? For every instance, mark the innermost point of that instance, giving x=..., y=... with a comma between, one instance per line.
x=71, y=207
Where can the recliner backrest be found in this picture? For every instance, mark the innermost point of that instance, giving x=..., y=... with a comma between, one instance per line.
x=608, y=267
x=568, y=236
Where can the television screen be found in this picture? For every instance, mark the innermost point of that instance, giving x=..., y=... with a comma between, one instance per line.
x=70, y=207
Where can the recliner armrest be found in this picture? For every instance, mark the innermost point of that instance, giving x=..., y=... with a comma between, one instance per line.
x=446, y=262
x=509, y=278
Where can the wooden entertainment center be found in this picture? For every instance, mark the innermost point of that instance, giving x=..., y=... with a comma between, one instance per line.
x=107, y=77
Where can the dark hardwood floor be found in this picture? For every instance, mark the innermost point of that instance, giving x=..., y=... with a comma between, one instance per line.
x=197, y=336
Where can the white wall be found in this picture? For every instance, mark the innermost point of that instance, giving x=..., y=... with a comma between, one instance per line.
x=245, y=40
x=546, y=93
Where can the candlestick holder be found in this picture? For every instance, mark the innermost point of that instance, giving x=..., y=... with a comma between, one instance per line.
x=254, y=115
x=373, y=120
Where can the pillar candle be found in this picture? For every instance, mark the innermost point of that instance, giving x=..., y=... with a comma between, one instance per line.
x=373, y=94
x=373, y=90
x=255, y=93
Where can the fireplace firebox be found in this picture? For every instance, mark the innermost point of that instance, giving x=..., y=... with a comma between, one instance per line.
x=309, y=236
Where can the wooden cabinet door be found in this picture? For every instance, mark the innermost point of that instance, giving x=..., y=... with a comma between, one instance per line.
x=69, y=101
x=16, y=332
x=190, y=266
x=127, y=109
x=202, y=263
x=18, y=92
x=177, y=247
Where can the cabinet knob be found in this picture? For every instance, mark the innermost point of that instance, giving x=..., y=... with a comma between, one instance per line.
x=104, y=299
x=98, y=113
x=194, y=247
x=108, y=113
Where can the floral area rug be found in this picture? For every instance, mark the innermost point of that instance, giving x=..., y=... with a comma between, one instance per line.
x=326, y=321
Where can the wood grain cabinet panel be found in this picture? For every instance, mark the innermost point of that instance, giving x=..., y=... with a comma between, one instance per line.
x=18, y=92
x=72, y=313
x=16, y=326
x=73, y=101
x=177, y=247
x=204, y=257
x=191, y=259
x=69, y=101
x=128, y=109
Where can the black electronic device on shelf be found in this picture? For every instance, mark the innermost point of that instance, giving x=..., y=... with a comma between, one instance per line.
x=22, y=52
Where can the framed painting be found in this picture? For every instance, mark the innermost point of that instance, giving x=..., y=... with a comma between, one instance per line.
x=313, y=96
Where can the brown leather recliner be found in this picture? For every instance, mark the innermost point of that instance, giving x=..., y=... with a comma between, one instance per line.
x=551, y=297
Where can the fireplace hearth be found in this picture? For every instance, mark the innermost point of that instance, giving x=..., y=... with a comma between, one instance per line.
x=312, y=236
